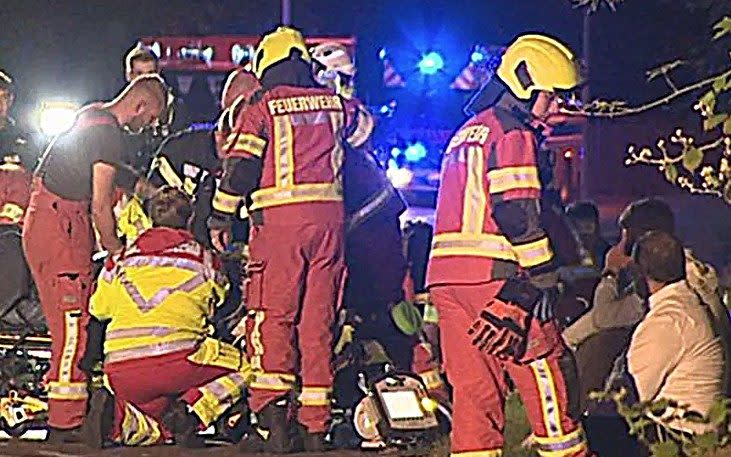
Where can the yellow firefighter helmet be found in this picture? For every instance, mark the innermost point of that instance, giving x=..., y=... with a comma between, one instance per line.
x=277, y=46
x=538, y=63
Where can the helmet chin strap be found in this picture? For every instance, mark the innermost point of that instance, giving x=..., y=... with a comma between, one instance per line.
x=495, y=94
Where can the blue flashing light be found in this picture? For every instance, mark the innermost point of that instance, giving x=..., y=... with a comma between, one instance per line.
x=382, y=53
x=431, y=63
x=415, y=152
x=392, y=165
x=395, y=152
x=477, y=56
x=385, y=109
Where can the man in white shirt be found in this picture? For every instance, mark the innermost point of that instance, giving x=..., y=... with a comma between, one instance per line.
x=674, y=353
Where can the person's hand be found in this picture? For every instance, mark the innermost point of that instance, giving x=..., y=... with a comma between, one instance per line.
x=116, y=249
x=144, y=188
x=220, y=237
x=616, y=259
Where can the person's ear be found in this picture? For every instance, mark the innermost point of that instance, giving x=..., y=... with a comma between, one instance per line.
x=140, y=107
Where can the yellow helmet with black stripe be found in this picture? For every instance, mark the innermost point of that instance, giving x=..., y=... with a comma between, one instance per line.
x=535, y=62
x=277, y=46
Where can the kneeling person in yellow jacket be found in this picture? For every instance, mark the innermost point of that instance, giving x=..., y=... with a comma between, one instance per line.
x=165, y=378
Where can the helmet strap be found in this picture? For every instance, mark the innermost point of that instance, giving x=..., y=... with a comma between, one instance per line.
x=486, y=97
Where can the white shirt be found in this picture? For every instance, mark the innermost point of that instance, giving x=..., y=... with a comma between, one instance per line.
x=675, y=354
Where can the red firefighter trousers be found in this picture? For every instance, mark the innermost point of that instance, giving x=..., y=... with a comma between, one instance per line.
x=58, y=242
x=480, y=384
x=294, y=288
x=142, y=395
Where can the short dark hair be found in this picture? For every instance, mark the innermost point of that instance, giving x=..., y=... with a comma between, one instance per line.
x=170, y=207
x=660, y=256
x=646, y=215
x=139, y=54
x=583, y=210
x=150, y=87
x=6, y=82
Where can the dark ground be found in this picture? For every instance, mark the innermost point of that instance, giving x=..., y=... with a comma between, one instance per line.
x=30, y=449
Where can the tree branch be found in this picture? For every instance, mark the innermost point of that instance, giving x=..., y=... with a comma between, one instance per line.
x=617, y=111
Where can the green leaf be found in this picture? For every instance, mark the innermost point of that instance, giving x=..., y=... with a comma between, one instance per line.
x=665, y=449
x=671, y=172
x=658, y=408
x=707, y=441
x=727, y=126
x=718, y=413
x=639, y=425
x=719, y=84
x=709, y=99
x=722, y=27
x=695, y=418
x=692, y=159
x=714, y=121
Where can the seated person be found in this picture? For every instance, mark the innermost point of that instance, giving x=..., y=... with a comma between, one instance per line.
x=675, y=353
x=166, y=377
x=585, y=218
x=601, y=334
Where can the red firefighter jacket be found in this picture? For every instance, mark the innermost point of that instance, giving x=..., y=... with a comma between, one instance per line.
x=15, y=183
x=294, y=136
x=487, y=218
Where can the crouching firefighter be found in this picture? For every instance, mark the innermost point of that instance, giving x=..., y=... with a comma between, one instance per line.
x=156, y=299
x=291, y=138
x=490, y=271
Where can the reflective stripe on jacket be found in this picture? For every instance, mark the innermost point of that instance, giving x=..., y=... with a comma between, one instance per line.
x=489, y=162
x=157, y=296
x=298, y=134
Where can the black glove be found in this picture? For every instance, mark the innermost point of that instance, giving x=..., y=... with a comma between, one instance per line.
x=520, y=292
x=501, y=329
x=543, y=309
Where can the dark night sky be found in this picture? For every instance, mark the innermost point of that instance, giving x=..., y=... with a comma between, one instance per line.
x=73, y=48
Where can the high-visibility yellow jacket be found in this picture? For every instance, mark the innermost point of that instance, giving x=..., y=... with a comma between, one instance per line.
x=132, y=220
x=158, y=296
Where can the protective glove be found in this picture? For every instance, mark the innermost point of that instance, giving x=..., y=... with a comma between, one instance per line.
x=539, y=301
x=543, y=310
x=501, y=329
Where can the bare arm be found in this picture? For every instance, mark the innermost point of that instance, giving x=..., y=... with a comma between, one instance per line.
x=102, y=204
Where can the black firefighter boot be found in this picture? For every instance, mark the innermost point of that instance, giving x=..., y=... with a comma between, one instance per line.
x=99, y=419
x=272, y=432
x=311, y=441
x=183, y=425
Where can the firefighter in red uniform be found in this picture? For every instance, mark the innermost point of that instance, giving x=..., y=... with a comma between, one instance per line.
x=291, y=136
x=14, y=176
x=236, y=97
x=76, y=175
x=491, y=268
x=15, y=157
